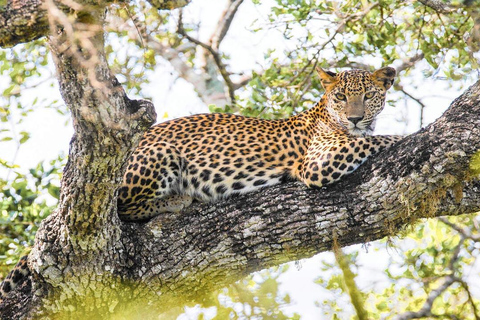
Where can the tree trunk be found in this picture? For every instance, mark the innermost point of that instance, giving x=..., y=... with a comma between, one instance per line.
x=87, y=263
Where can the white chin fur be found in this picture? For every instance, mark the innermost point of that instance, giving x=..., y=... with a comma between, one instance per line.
x=361, y=129
x=359, y=132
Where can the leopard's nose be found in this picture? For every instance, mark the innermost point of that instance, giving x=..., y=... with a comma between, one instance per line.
x=355, y=120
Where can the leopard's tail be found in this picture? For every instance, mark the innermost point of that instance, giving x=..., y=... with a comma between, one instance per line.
x=16, y=277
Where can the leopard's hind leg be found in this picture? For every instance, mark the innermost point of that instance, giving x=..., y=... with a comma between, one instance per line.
x=152, y=183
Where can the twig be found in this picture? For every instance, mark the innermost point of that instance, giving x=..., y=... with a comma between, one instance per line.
x=426, y=310
x=470, y=299
x=245, y=79
x=341, y=26
x=168, y=4
x=216, y=57
x=466, y=233
x=399, y=87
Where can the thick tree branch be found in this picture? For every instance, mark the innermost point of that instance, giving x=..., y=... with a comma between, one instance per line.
x=82, y=235
x=22, y=21
x=26, y=20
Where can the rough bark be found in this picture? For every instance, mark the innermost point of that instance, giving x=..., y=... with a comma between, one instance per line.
x=87, y=263
x=22, y=22
x=82, y=236
x=26, y=20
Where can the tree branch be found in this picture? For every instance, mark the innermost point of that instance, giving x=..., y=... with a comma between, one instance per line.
x=471, y=300
x=426, y=309
x=108, y=126
x=26, y=20
x=349, y=282
x=243, y=81
x=224, y=23
x=464, y=232
x=168, y=4
x=216, y=57
x=410, y=62
x=22, y=22
x=200, y=81
x=400, y=88
x=438, y=5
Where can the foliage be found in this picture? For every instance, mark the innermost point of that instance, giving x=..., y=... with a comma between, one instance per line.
x=23, y=69
x=25, y=200
x=355, y=32
x=26, y=196
x=434, y=253
x=333, y=35
x=255, y=297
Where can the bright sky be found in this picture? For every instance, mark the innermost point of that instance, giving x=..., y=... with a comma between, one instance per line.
x=50, y=136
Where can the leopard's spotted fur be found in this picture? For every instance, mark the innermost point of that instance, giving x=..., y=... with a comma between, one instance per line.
x=212, y=156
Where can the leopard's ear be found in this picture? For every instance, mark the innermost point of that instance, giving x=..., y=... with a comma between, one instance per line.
x=384, y=77
x=327, y=78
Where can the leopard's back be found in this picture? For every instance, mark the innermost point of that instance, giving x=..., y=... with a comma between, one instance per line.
x=211, y=156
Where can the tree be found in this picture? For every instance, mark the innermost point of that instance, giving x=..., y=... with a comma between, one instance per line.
x=95, y=265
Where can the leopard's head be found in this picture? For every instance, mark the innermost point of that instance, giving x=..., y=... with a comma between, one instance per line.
x=355, y=97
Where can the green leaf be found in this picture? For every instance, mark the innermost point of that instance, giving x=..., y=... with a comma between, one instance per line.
x=25, y=136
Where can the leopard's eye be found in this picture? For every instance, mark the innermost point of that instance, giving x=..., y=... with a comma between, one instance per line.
x=340, y=96
x=369, y=95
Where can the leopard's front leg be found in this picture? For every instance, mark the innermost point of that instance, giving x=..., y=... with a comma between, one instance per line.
x=330, y=157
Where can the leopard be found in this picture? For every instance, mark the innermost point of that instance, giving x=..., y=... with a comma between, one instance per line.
x=213, y=156
x=210, y=157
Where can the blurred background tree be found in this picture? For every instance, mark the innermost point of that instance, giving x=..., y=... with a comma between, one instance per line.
x=258, y=58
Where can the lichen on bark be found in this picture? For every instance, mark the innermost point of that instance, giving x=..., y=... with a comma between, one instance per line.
x=475, y=164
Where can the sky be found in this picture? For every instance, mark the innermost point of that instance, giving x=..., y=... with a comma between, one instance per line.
x=174, y=98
